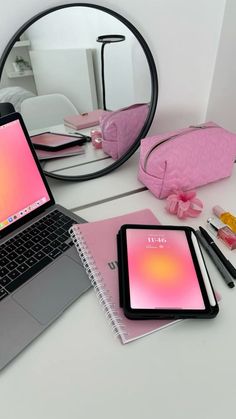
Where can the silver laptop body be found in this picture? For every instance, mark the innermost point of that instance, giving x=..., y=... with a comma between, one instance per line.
x=37, y=290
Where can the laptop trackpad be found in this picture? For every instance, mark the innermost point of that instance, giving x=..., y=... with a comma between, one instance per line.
x=53, y=289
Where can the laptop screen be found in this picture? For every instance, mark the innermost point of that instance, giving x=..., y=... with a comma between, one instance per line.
x=22, y=189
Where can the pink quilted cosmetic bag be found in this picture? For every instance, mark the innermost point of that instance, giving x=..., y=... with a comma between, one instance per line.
x=121, y=128
x=186, y=159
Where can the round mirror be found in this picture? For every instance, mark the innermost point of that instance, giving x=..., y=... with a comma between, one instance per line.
x=99, y=63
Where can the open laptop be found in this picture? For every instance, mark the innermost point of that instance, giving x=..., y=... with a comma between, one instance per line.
x=40, y=271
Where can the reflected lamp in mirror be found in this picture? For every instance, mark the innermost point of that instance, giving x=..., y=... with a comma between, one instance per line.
x=106, y=39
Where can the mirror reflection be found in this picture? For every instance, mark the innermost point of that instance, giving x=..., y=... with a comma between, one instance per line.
x=70, y=73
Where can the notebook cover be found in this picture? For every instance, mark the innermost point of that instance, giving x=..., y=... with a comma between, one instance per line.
x=67, y=152
x=96, y=244
x=84, y=120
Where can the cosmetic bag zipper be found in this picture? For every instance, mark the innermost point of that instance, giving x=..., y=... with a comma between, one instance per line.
x=191, y=129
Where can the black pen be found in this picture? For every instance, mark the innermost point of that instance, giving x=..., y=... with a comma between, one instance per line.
x=74, y=133
x=222, y=269
x=231, y=269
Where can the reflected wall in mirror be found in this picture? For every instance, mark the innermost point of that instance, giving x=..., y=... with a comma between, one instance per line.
x=54, y=67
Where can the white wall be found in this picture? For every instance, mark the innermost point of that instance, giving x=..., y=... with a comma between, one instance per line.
x=222, y=103
x=74, y=27
x=183, y=36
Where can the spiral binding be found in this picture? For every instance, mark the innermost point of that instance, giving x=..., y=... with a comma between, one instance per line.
x=98, y=284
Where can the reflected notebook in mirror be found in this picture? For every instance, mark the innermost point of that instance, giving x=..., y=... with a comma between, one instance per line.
x=67, y=152
x=85, y=120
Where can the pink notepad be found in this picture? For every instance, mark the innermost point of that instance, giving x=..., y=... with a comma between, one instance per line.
x=96, y=245
x=86, y=120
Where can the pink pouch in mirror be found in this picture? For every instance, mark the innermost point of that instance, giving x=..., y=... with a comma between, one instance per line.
x=121, y=128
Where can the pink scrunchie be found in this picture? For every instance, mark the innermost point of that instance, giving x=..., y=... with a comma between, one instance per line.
x=184, y=204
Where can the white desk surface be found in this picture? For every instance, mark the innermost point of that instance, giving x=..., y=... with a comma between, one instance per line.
x=76, y=195
x=78, y=369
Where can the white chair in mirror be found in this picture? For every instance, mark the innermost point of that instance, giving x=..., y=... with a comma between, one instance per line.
x=46, y=110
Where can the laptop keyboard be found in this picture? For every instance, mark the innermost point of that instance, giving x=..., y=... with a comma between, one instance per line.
x=31, y=250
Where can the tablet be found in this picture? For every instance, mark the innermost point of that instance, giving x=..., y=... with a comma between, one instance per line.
x=50, y=141
x=162, y=274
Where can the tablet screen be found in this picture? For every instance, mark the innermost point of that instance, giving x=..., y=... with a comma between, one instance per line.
x=53, y=140
x=161, y=271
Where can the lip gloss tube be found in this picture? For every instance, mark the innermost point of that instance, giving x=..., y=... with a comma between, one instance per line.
x=222, y=232
x=225, y=217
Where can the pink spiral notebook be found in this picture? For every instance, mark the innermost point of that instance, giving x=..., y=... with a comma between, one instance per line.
x=99, y=258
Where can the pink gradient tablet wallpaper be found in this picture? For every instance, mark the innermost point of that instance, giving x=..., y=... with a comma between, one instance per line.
x=21, y=185
x=161, y=271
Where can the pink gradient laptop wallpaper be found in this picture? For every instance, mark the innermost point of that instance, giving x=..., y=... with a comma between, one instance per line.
x=21, y=186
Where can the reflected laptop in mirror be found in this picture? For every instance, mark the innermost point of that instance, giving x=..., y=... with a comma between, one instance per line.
x=40, y=272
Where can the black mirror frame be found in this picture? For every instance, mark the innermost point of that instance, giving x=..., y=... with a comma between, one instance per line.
x=154, y=84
